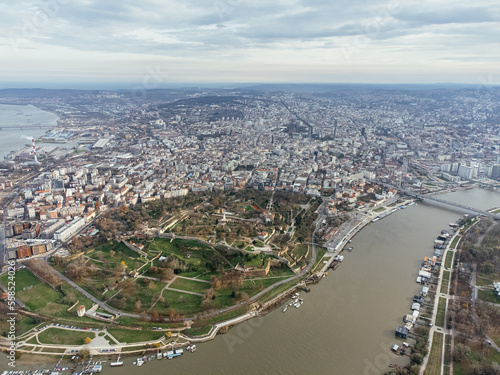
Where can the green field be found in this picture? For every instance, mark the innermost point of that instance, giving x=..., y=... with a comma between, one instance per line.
x=225, y=316
x=455, y=242
x=320, y=253
x=190, y=285
x=300, y=251
x=130, y=336
x=183, y=303
x=139, y=296
x=483, y=280
x=488, y=295
x=447, y=353
x=102, y=257
x=445, y=282
x=63, y=336
x=33, y=292
x=441, y=312
x=193, y=253
x=449, y=259
x=435, y=356
x=23, y=324
x=198, y=331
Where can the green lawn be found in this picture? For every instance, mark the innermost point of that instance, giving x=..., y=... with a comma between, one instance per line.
x=130, y=336
x=276, y=291
x=143, y=290
x=30, y=290
x=63, y=336
x=198, y=331
x=483, y=281
x=301, y=250
x=488, y=295
x=102, y=258
x=455, y=242
x=226, y=316
x=435, y=356
x=320, y=252
x=449, y=258
x=447, y=352
x=23, y=324
x=23, y=279
x=38, y=296
x=441, y=313
x=190, y=285
x=183, y=303
x=445, y=282
x=193, y=253
x=148, y=325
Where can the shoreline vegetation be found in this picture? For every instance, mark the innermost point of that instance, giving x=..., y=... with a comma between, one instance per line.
x=164, y=333
x=59, y=301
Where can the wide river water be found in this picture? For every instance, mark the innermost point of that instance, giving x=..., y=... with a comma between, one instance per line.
x=346, y=324
x=22, y=115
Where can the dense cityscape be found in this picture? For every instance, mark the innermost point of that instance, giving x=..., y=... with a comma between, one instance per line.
x=223, y=140
x=182, y=212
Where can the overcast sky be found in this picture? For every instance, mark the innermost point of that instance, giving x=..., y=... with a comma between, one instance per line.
x=157, y=42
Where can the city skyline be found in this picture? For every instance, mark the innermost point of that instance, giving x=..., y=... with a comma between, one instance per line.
x=61, y=44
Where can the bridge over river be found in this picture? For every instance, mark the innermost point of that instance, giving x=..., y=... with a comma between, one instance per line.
x=442, y=202
x=26, y=126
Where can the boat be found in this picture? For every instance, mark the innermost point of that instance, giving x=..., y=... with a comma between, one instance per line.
x=286, y=307
x=174, y=353
x=116, y=363
x=191, y=348
x=159, y=355
x=139, y=362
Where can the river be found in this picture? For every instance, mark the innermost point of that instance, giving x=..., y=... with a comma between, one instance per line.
x=21, y=115
x=346, y=324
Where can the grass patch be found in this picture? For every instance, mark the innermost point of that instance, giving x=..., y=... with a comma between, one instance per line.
x=183, y=303
x=38, y=296
x=445, y=282
x=447, y=351
x=454, y=243
x=449, y=259
x=200, y=331
x=23, y=279
x=226, y=316
x=133, y=322
x=320, y=253
x=435, y=356
x=300, y=251
x=483, y=281
x=190, y=285
x=441, y=312
x=273, y=293
x=23, y=324
x=130, y=336
x=63, y=336
x=488, y=295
